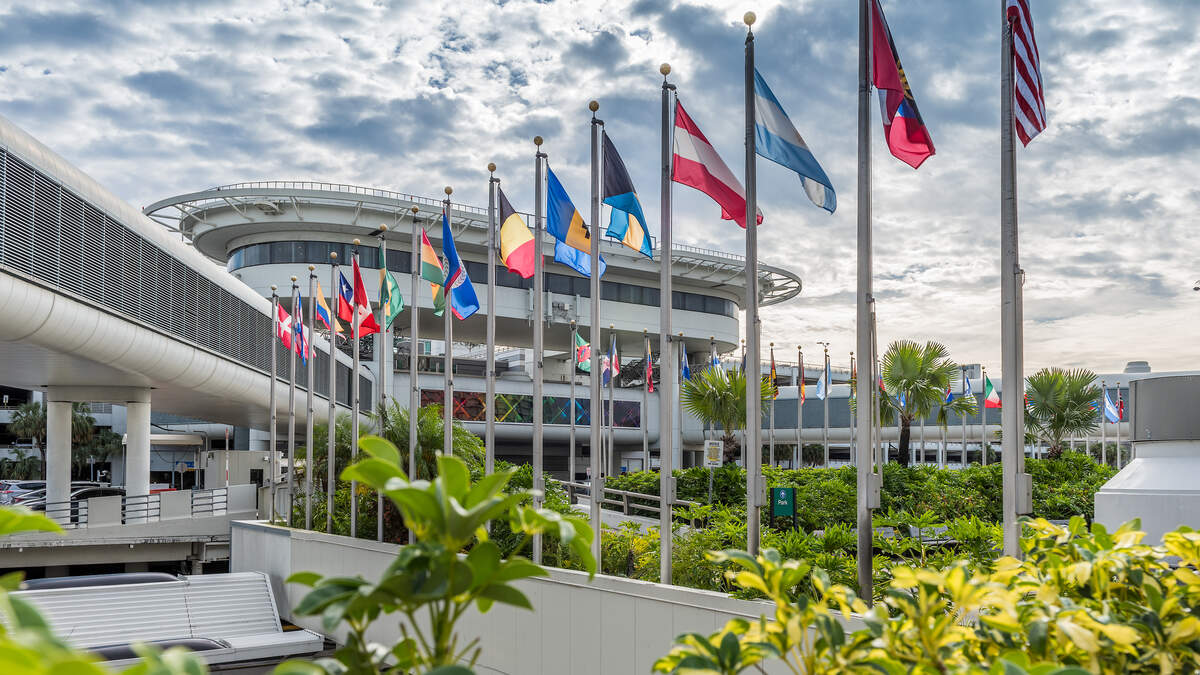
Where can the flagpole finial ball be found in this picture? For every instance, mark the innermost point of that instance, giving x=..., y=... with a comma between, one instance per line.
x=665, y=69
x=383, y=227
x=537, y=140
x=357, y=242
x=274, y=288
x=610, y=326
x=312, y=267
x=333, y=255
x=772, y=344
x=491, y=167
x=593, y=105
x=293, y=278
x=449, y=190
x=415, y=208
x=749, y=18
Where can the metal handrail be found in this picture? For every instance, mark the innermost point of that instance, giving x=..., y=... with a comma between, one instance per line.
x=73, y=514
x=343, y=187
x=626, y=496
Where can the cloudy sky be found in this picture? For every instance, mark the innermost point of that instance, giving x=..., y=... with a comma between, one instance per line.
x=156, y=98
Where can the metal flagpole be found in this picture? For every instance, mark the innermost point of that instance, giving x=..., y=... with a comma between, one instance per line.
x=1117, y=450
x=571, y=413
x=355, y=325
x=983, y=444
x=575, y=365
x=677, y=441
x=291, y=440
x=448, y=360
x=386, y=367
x=489, y=439
x=828, y=392
x=539, y=327
x=331, y=441
x=1103, y=424
x=799, y=408
x=753, y=388
x=414, y=330
x=771, y=427
x=647, y=370
x=273, y=464
x=611, y=459
x=667, y=365
x=963, y=416
x=854, y=413
x=942, y=451
x=1017, y=484
x=308, y=421
x=864, y=316
x=595, y=403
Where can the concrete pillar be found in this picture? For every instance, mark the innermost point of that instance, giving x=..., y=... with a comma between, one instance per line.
x=58, y=451
x=137, y=449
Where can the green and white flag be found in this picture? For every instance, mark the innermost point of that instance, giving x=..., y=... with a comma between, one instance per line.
x=583, y=354
x=991, y=397
x=391, y=303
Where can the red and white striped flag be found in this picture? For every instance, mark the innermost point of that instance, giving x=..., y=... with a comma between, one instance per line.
x=1029, y=101
x=697, y=164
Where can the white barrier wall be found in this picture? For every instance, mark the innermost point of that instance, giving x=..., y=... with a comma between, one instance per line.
x=607, y=626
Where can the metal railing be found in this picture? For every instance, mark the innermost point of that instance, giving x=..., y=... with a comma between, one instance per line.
x=624, y=498
x=137, y=509
x=346, y=188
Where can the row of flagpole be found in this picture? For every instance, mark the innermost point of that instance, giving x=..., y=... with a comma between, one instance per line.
x=688, y=158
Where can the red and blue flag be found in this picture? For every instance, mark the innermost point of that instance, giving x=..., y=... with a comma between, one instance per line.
x=905, y=131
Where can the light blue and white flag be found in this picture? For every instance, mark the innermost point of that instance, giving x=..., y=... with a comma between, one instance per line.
x=779, y=142
x=823, y=385
x=1110, y=409
x=967, y=386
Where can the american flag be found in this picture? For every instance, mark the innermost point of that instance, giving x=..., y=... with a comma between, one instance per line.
x=1029, y=101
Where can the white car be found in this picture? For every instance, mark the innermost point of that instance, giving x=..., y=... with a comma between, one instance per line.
x=11, y=489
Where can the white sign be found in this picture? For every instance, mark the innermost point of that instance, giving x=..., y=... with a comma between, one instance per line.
x=713, y=452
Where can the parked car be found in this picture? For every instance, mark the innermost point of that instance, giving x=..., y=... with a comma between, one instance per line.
x=11, y=489
x=39, y=494
x=78, y=497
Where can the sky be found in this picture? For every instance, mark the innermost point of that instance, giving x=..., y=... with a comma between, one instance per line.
x=159, y=97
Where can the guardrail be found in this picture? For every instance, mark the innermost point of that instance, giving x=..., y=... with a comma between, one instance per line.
x=627, y=507
x=138, y=509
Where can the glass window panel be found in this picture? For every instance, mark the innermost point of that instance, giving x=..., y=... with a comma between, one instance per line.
x=558, y=283
x=694, y=302
x=651, y=296
x=281, y=252
x=609, y=290
x=630, y=293
x=582, y=287
x=676, y=300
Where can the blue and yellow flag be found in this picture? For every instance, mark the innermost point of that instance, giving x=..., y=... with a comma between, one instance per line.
x=574, y=244
x=626, y=221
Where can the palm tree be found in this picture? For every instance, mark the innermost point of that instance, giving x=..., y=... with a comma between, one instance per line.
x=29, y=421
x=1059, y=405
x=718, y=397
x=430, y=425
x=916, y=378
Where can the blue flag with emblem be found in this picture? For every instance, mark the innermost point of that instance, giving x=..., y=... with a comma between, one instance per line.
x=463, y=301
x=778, y=141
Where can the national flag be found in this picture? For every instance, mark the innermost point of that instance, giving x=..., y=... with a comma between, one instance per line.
x=573, y=243
x=1120, y=406
x=302, y=342
x=905, y=131
x=967, y=386
x=991, y=397
x=684, y=371
x=774, y=383
x=853, y=377
x=325, y=315
x=1029, y=99
x=366, y=317
x=778, y=141
x=713, y=360
x=949, y=395
x=612, y=362
x=802, y=379
x=431, y=271
x=626, y=222
x=283, y=326
x=345, y=303
x=823, y=384
x=583, y=354
x=391, y=303
x=697, y=164
x=463, y=301
x=516, y=241
x=1110, y=411
x=649, y=368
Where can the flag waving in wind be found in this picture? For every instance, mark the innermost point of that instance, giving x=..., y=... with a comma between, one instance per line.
x=573, y=243
x=697, y=164
x=778, y=141
x=626, y=222
x=774, y=381
x=391, y=303
x=991, y=397
x=325, y=315
x=303, y=343
x=366, y=317
x=283, y=326
x=1110, y=410
x=684, y=371
x=649, y=368
x=516, y=241
x=583, y=354
x=463, y=301
x=431, y=271
x=345, y=301
x=905, y=131
x=1029, y=100
x=823, y=384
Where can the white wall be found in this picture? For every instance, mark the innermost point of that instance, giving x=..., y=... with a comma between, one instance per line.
x=606, y=626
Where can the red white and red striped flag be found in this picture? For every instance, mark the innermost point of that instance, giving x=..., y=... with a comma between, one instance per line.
x=1029, y=101
x=697, y=164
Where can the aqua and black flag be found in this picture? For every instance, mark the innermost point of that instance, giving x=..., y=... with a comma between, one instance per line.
x=626, y=222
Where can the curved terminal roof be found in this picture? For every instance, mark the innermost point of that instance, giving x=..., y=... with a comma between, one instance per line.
x=259, y=205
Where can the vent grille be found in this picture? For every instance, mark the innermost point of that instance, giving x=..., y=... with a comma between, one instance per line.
x=51, y=234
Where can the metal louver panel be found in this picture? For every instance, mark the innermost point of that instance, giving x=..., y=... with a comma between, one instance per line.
x=18, y=249
x=72, y=272
x=209, y=599
x=44, y=255
x=114, y=615
x=3, y=163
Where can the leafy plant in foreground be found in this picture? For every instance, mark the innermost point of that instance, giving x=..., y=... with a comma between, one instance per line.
x=431, y=583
